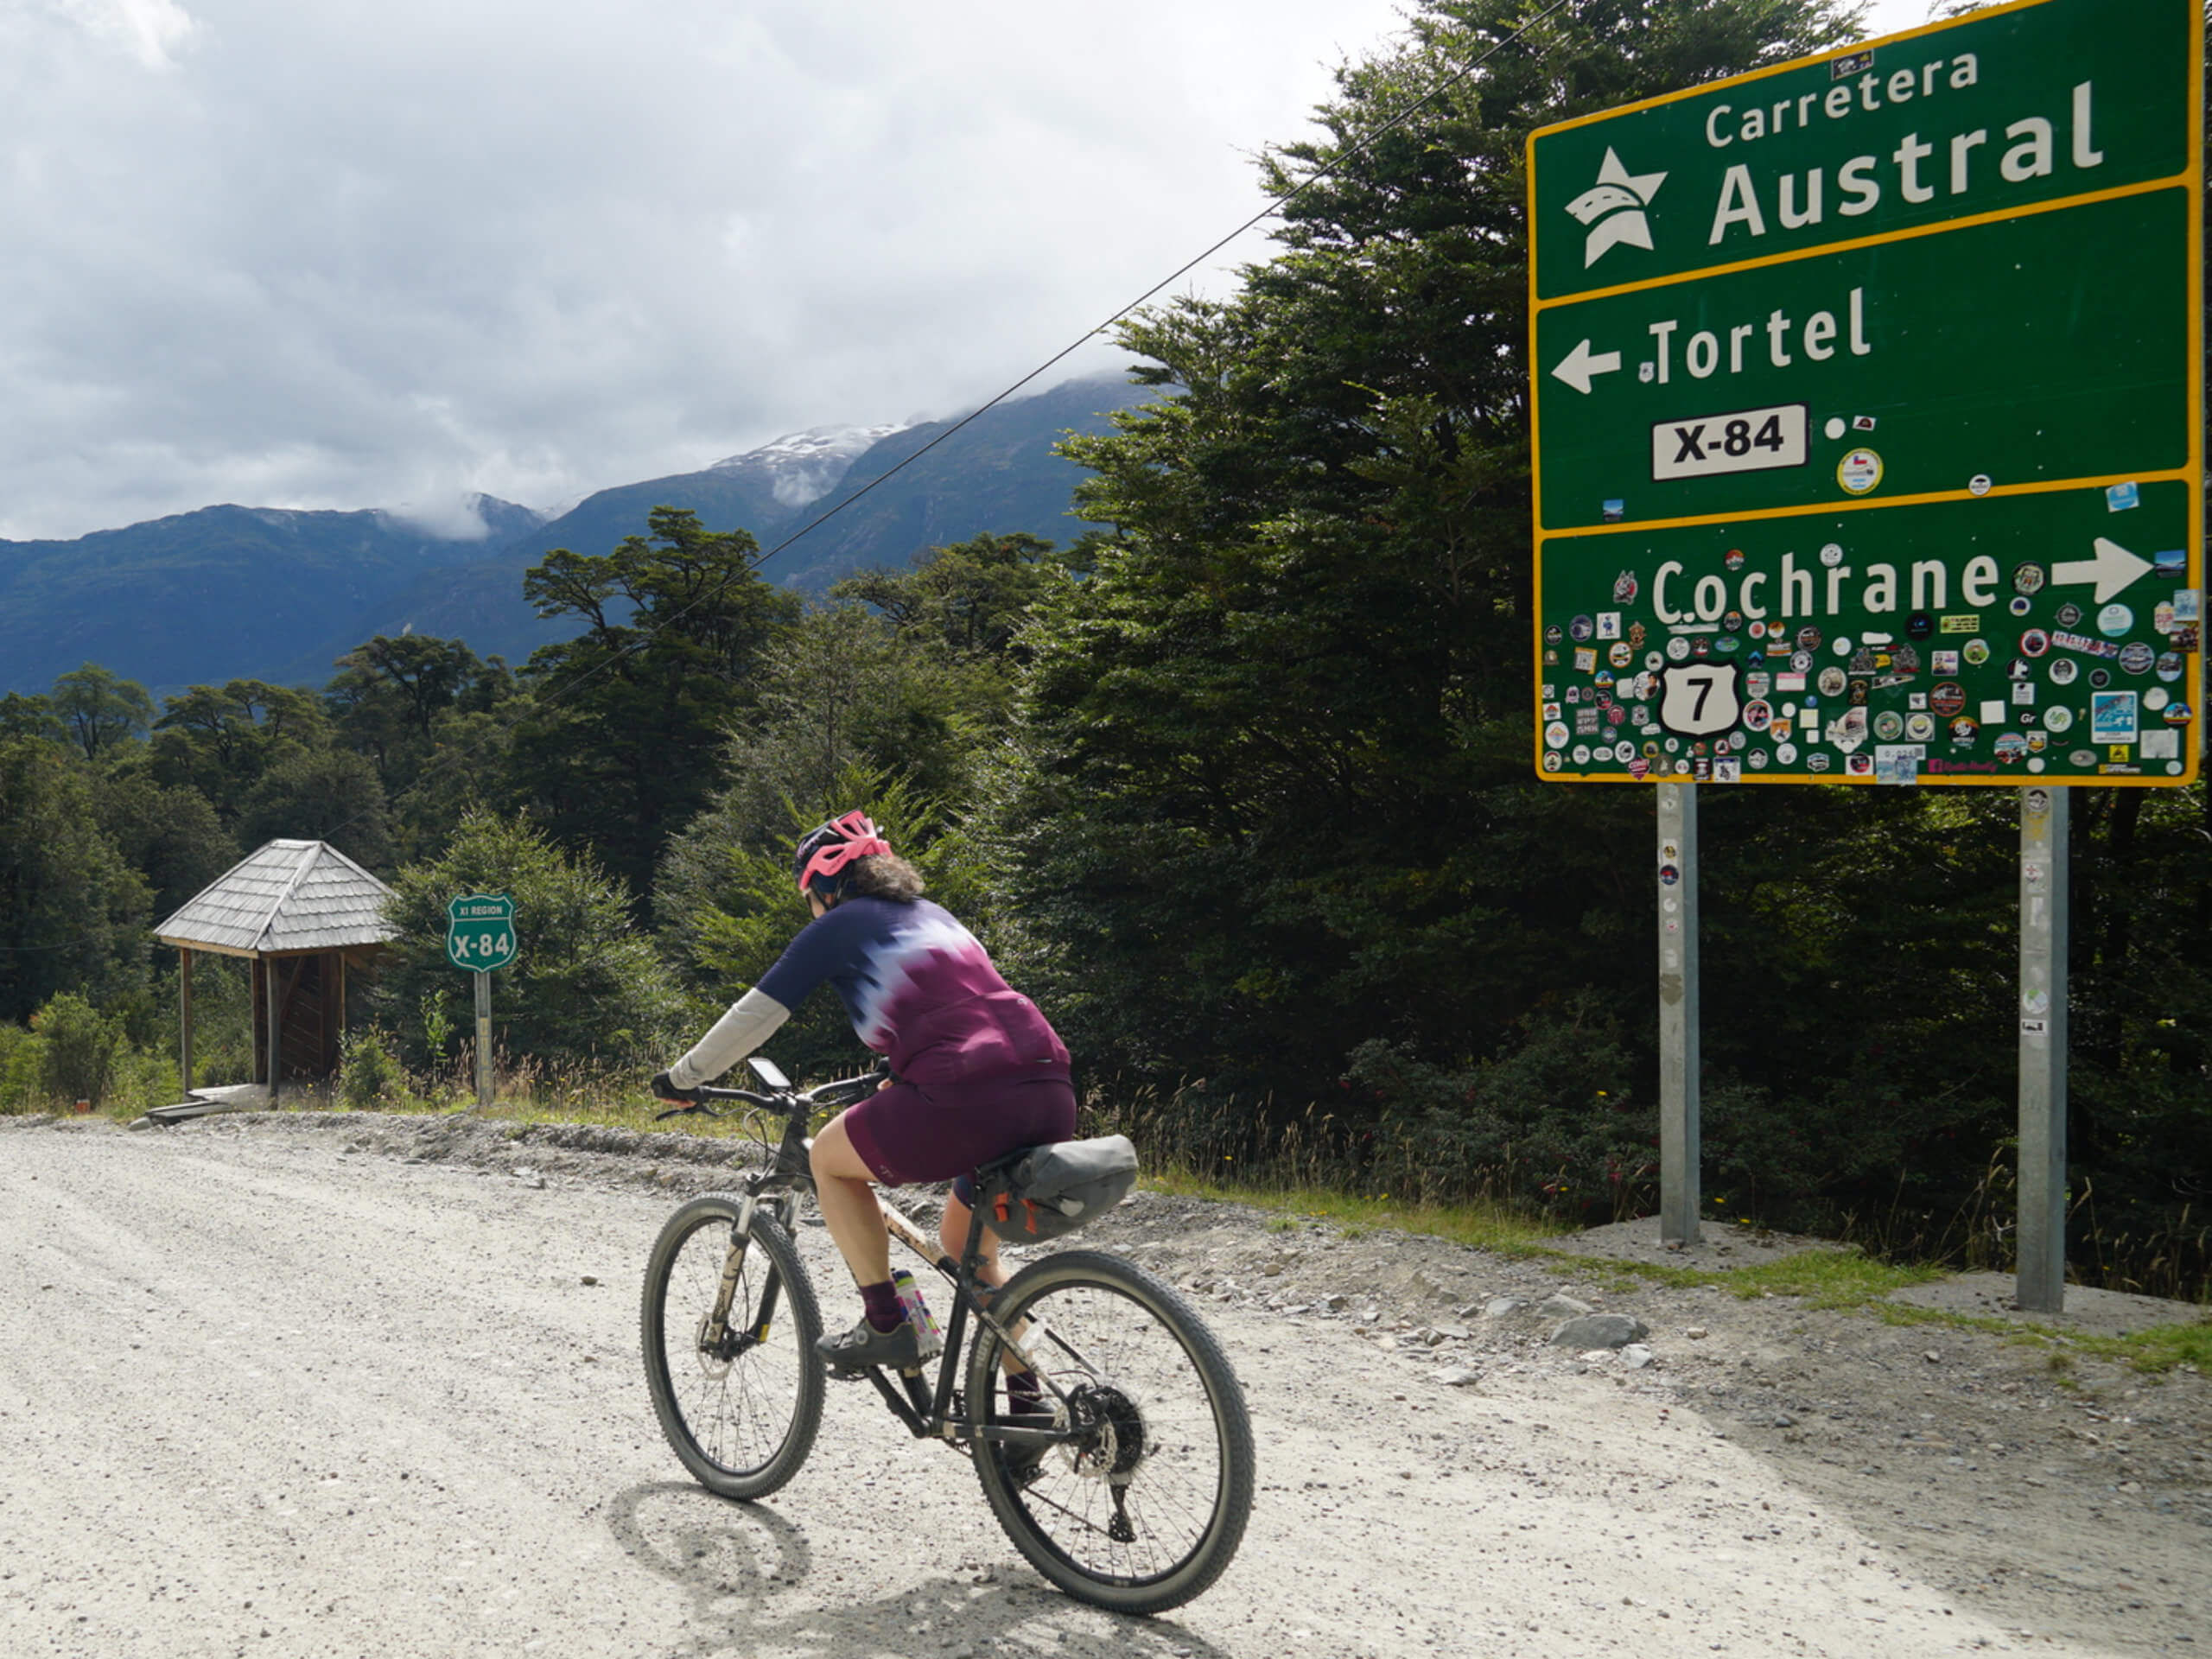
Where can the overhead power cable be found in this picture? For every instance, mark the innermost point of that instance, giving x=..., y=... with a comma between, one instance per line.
x=1357, y=147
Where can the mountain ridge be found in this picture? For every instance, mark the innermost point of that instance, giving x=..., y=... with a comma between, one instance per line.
x=227, y=592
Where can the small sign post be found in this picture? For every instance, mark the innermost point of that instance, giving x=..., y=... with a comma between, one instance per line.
x=480, y=937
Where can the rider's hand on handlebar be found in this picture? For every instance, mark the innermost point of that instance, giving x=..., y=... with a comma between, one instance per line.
x=663, y=1090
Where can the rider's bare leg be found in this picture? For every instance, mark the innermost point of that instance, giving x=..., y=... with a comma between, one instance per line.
x=849, y=1206
x=952, y=1234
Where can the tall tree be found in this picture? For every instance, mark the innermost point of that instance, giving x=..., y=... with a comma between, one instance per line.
x=33, y=716
x=969, y=599
x=613, y=749
x=387, y=696
x=329, y=795
x=1272, y=752
x=101, y=710
x=72, y=913
x=220, y=741
x=170, y=834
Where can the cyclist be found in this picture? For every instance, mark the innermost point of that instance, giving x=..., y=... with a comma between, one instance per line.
x=976, y=1071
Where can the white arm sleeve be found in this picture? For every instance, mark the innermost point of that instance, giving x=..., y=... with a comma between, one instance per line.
x=748, y=1024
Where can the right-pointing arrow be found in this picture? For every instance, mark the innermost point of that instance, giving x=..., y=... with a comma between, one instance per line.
x=2114, y=569
x=1582, y=364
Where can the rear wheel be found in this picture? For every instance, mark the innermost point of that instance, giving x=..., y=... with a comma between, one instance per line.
x=1143, y=1506
x=740, y=1403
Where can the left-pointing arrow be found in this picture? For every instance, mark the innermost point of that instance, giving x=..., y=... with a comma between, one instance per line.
x=1582, y=366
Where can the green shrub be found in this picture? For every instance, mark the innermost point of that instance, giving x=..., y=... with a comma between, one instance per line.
x=587, y=987
x=22, y=1064
x=368, y=1076
x=1550, y=1122
x=142, y=1079
x=81, y=1049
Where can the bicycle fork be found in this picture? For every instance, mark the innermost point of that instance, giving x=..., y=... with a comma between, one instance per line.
x=715, y=1332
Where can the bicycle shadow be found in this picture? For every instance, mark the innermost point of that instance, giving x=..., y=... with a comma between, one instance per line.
x=735, y=1561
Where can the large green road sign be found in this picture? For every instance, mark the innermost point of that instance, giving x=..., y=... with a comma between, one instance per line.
x=1867, y=400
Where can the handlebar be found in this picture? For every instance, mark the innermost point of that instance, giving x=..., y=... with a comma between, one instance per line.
x=795, y=1102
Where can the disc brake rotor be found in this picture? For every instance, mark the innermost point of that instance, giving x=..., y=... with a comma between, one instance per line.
x=713, y=1360
x=1113, y=1442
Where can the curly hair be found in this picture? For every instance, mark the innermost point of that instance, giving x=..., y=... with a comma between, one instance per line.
x=880, y=875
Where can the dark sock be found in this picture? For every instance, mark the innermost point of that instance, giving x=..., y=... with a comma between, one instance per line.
x=884, y=1312
x=1024, y=1392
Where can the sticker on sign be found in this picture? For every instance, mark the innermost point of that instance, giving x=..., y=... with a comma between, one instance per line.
x=1743, y=441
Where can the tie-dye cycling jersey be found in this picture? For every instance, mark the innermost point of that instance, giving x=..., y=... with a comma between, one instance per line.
x=920, y=989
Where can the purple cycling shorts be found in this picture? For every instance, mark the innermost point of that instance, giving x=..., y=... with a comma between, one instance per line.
x=906, y=1133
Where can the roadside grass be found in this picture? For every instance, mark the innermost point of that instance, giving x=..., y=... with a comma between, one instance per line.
x=520, y=1101
x=1829, y=1279
x=1486, y=1226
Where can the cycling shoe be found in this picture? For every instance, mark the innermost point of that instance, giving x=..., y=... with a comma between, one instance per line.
x=853, y=1353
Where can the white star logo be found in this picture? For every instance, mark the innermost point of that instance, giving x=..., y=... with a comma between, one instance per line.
x=1614, y=208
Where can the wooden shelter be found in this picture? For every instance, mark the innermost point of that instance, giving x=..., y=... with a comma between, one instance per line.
x=303, y=913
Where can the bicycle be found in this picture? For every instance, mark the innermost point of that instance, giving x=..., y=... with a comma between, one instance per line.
x=1126, y=1482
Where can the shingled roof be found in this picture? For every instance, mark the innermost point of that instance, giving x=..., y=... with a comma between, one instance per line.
x=287, y=895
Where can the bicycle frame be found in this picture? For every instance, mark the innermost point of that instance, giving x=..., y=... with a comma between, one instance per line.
x=927, y=1412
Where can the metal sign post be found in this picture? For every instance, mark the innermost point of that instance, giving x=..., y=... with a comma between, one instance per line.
x=1678, y=1022
x=2043, y=838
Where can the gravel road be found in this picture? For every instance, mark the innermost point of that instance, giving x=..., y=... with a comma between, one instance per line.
x=317, y=1384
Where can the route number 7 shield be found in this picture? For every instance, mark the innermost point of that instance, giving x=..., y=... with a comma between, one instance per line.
x=1699, y=699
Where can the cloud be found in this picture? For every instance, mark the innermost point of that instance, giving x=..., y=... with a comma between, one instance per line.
x=152, y=32
x=291, y=252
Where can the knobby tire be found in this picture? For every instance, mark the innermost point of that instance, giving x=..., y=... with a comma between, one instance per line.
x=741, y=1421
x=1178, y=1441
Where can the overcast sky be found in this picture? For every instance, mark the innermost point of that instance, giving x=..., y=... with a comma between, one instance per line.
x=348, y=253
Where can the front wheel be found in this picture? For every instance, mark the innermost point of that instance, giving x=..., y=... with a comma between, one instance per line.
x=740, y=1397
x=1144, y=1505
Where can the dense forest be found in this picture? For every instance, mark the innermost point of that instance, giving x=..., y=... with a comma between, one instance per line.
x=1237, y=782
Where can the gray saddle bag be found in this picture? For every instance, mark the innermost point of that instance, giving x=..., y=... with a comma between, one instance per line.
x=1046, y=1191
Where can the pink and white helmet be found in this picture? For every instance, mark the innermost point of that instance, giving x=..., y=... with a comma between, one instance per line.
x=825, y=850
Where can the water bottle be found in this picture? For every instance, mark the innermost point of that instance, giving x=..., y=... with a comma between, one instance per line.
x=931, y=1339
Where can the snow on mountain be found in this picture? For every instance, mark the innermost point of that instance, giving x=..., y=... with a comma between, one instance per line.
x=803, y=466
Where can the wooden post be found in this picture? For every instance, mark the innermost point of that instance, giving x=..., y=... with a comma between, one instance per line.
x=275, y=1030
x=483, y=1040
x=184, y=1013
x=257, y=997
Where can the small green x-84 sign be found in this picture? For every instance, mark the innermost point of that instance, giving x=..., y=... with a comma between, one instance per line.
x=480, y=932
